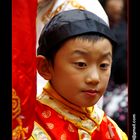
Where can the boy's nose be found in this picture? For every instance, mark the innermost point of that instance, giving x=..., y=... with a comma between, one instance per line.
x=93, y=76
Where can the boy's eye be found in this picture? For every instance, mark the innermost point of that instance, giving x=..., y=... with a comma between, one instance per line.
x=80, y=64
x=104, y=66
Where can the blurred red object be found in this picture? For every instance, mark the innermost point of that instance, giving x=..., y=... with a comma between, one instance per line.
x=23, y=67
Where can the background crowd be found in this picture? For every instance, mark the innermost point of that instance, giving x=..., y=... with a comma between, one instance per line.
x=115, y=102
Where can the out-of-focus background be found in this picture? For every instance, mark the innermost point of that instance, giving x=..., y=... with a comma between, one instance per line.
x=115, y=100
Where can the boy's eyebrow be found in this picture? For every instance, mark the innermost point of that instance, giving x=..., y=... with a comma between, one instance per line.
x=79, y=52
x=107, y=54
x=83, y=52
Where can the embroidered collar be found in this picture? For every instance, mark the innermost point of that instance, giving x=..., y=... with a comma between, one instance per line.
x=86, y=119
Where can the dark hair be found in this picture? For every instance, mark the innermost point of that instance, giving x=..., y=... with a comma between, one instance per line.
x=69, y=24
x=51, y=52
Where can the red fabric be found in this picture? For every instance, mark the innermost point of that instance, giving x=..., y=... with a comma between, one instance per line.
x=103, y=133
x=54, y=123
x=24, y=62
x=57, y=127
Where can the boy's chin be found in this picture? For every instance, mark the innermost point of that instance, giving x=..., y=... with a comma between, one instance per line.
x=90, y=104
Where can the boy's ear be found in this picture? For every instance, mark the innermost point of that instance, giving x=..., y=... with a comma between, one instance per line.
x=43, y=67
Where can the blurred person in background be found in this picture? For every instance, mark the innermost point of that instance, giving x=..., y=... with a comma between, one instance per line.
x=116, y=97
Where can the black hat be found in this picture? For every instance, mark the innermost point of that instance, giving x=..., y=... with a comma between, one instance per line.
x=68, y=24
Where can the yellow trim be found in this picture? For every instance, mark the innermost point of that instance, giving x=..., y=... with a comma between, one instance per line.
x=87, y=119
x=121, y=134
x=97, y=114
x=81, y=133
x=86, y=124
x=31, y=138
x=48, y=89
x=124, y=136
x=38, y=128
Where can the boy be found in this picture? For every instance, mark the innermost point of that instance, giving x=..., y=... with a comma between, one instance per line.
x=75, y=55
x=48, y=8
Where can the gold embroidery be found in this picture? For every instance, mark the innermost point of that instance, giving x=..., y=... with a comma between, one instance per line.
x=40, y=133
x=50, y=125
x=76, y=4
x=15, y=104
x=46, y=16
x=85, y=124
x=49, y=15
x=63, y=137
x=83, y=135
x=70, y=128
x=18, y=133
x=46, y=114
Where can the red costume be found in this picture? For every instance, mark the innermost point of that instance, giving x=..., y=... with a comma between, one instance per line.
x=57, y=119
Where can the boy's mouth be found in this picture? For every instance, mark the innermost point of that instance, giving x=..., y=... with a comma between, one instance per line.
x=90, y=92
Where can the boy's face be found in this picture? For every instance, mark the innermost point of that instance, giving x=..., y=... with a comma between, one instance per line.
x=81, y=70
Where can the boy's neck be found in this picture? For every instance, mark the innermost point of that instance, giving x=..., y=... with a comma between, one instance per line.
x=52, y=92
